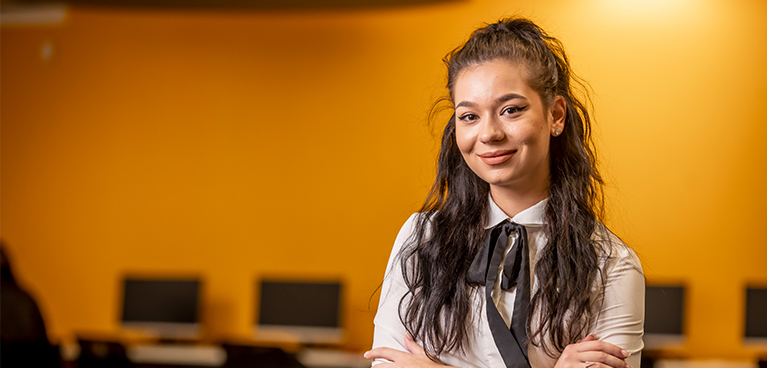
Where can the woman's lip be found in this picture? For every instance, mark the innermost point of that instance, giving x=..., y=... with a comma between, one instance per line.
x=496, y=157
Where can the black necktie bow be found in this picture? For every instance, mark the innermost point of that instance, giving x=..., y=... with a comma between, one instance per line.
x=511, y=342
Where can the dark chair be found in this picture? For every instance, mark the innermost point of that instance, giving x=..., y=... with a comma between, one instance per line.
x=23, y=339
x=102, y=354
x=242, y=356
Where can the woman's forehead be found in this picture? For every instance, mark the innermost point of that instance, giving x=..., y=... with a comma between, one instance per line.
x=491, y=80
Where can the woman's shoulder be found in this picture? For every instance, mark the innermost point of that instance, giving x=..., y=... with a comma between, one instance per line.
x=407, y=231
x=613, y=249
x=411, y=223
x=415, y=220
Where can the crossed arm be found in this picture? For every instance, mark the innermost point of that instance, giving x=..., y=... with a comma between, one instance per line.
x=586, y=353
x=618, y=326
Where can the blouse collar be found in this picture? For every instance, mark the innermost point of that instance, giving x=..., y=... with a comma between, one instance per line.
x=532, y=216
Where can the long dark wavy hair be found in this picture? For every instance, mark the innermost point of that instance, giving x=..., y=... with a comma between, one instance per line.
x=437, y=309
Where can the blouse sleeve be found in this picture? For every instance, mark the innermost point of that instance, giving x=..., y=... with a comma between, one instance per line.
x=389, y=330
x=621, y=316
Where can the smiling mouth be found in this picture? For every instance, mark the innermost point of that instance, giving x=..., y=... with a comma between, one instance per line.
x=496, y=157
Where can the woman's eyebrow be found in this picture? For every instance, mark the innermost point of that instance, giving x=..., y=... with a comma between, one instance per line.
x=509, y=96
x=502, y=99
x=466, y=103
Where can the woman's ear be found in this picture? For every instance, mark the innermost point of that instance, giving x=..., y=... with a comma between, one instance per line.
x=558, y=114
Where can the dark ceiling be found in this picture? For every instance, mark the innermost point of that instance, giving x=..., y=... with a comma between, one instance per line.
x=238, y=4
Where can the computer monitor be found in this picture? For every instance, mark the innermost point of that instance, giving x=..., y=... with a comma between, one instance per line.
x=163, y=308
x=756, y=318
x=307, y=312
x=664, y=316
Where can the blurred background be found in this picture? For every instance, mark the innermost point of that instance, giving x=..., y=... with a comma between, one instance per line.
x=240, y=142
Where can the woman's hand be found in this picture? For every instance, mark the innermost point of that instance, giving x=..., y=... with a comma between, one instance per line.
x=416, y=358
x=592, y=353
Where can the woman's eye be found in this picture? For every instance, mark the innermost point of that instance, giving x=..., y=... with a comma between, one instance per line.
x=468, y=117
x=513, y=110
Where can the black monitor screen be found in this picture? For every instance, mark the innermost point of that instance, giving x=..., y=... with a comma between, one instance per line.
x=169, y=307
x=307, y=311
x=664, y=315
x=664, y=306
x=299, y=303
x=756, y=313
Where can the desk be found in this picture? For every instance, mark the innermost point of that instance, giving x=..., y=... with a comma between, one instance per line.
x=330, y=358
x=111, y=354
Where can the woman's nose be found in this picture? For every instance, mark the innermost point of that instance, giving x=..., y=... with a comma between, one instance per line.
x=491, y=130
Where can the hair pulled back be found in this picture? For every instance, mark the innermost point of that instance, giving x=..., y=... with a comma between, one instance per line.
x=451, y=228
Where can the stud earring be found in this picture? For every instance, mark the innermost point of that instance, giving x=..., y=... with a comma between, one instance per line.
x=557, y=132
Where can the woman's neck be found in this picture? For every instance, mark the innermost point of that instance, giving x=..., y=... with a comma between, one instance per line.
x=513, y=202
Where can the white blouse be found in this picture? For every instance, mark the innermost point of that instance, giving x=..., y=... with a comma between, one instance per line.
x=619, y=318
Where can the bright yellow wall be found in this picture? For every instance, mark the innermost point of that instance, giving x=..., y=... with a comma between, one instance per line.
x=233, y=145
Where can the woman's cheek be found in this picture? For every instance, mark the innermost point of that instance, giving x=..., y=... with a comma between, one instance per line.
x=465, y=138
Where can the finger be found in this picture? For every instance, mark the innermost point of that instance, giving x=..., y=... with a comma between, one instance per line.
x=412, y=346
x=385, y=353
x=590, y=337
x=604, y=347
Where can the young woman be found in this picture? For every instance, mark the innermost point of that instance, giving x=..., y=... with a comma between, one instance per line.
x=507, y=264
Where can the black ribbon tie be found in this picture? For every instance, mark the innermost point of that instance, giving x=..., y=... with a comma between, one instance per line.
x=511, y=342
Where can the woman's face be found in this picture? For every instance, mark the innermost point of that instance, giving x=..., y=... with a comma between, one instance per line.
x=503, y=128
